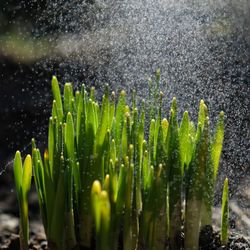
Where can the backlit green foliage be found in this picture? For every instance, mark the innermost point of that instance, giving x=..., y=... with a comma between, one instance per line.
x=224, y=214
x=109, y=178
x=22, y=175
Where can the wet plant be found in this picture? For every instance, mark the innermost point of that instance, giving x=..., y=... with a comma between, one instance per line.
x=22, y=175
x=224, y=214
x=108, y=179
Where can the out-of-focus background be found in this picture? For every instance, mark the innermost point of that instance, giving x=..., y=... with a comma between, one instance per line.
x=201, y=47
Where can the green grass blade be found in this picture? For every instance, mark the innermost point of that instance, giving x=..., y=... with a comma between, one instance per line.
x=121, y=190
x=18, y=173
x=105, y=209
x=68, y=96
x=95, y=192
x=145, y=171
x=217, y=144
x=40, y=185
x=70, y=138
x=77, y=98
x=56, y=235
x=92, y=94
x=72, y=168
x=80, y=122
x=27, y=175
x=191, y=138
x=194, y=189
x=24, y=225
x=57, y=98
x=104, y=123
x=156, y=134
x=22, y=175
x=193, y=204
x=203, y=113
x=151, y=139
x=184, y=140
x=54, y=109
x=224, y=214
x=119, y=120
x=106, y=183
x=127, y=231
x=101, y=211
x=208, y=184
x=50, y=190
x=26, y=182
x=164, y=125
x=175, y=180
x=111, y=110
x=125, y=139
x=51, y=146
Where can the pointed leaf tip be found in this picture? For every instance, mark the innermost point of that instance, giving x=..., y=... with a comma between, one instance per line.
x=46, y=154
x=18, y=171
x=54, y=78
x=123, y=93
x=27, y=174
x=96, y=187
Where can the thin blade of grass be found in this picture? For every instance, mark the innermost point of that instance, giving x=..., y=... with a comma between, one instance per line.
x=217, y=144
x=224, y=214
x=57, y=98
x=68, y=96
x=18, y=173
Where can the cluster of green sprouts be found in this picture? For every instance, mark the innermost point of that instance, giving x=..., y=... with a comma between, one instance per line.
x=109, y=181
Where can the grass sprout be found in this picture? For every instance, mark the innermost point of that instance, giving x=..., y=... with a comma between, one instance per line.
x=108, y=180
x=22, y=176
x=224, y=214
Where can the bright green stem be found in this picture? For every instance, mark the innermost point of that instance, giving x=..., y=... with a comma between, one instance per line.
x=56, y=230
x=208, y=195
x=57, y=98
x=175, y=180
x=195, y=186
x=127, y=230
x=104, y=235
x=24, y=226
x=224, y=214
x=192, y=220
x=217, y=144
x=208, y=185
x=22, y=175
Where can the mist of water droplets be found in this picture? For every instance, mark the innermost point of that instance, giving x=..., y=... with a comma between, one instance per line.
x=201, y=47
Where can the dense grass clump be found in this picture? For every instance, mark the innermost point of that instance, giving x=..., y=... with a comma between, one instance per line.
x=104, y=184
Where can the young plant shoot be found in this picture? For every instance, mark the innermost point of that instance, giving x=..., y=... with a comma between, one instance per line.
x=22, y=176
x=224, y=214
x=111, y=180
